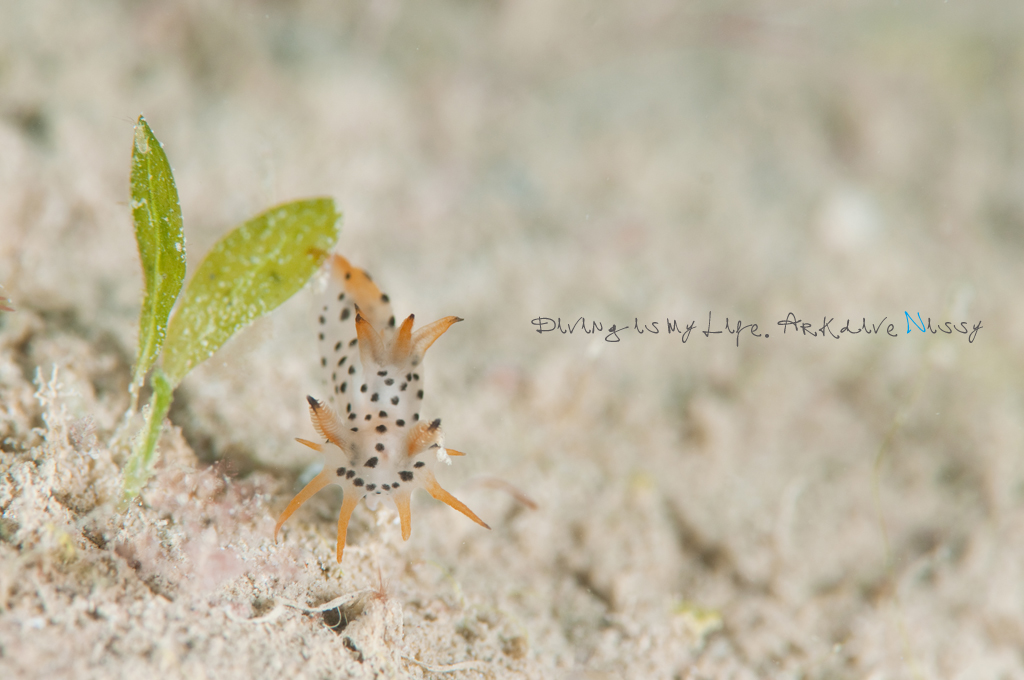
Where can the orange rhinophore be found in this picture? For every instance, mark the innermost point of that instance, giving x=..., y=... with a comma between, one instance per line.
x=376, y=442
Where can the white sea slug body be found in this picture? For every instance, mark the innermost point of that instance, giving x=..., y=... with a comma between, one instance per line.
x=376, y=442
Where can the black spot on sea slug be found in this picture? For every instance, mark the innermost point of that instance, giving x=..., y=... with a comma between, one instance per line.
x=344, y=386
x=352, y=369
x=419, y=464
x=370, y=463
x=406, y=475
x=382, y=373
x=394, y=400
x=400, y=422
x=379, y=447
x=341, y=472
x=375, y=397
x=345, y=314
x=386, y=487
x=338, y=345
x=384, y=298
x=389, y=381
x=363, y=388
x=419, y=393
x=358, y=481
x=383, y=414
x=382, y=429
x=355, y=341
x=350, y=474
x=371, y=487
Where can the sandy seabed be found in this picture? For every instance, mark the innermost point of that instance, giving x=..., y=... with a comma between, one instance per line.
x=833, y=505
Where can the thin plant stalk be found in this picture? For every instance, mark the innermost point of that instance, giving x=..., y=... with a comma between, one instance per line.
x=140, y=464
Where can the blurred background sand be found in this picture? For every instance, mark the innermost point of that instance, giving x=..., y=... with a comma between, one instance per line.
x=792, y=507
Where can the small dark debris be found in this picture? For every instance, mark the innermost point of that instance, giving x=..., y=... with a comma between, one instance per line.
x=351, y=646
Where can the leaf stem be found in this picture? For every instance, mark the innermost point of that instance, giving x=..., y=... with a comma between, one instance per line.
x=140, y=464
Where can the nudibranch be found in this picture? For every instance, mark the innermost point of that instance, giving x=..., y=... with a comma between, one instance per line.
x=376, y=442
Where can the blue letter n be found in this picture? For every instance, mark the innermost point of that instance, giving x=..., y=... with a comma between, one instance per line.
x=910, y=320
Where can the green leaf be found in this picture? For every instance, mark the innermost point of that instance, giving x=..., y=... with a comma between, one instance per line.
x=158, y=233
x=249, y=272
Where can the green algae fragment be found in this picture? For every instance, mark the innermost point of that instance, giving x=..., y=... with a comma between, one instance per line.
x=161, y=242
x=249, y=272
